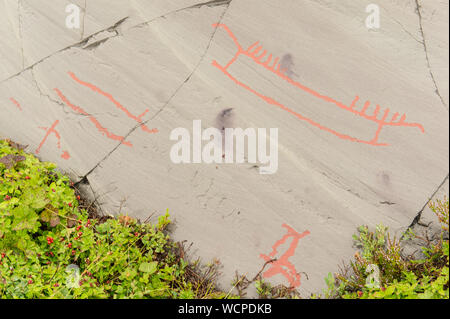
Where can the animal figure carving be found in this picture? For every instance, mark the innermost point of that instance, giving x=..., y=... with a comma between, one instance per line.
x=282, y=265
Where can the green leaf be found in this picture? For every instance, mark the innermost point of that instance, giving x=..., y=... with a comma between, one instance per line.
x=103, y=228
x=128, y=274
x=35, y=198
x=24, y=218
x=149, y=268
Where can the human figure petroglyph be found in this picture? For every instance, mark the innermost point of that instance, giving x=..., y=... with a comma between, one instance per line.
x=49, y=131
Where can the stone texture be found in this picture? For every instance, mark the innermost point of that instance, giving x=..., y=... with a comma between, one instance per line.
x=158, y=55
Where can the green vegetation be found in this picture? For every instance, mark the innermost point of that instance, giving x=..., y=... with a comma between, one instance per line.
x=51, y=247
x=381, y=272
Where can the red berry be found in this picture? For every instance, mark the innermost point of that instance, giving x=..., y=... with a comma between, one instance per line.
x=73, y=252
x=30, y=282
x=53, y=190
x=27, y=177
x=69, y=245
x=70, y=204
x=56, y=285
x=78, y=197
x=7, y=197
x=3, y=255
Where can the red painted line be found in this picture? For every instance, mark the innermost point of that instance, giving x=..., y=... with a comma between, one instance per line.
x=49, y=131
x=275, y=68
x=97, y=124
x=289, y=272
x=17, y=104
x=52, y=130
x=292, y=112
x=116, y=103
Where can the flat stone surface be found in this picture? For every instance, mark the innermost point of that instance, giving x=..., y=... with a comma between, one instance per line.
x=162, y=63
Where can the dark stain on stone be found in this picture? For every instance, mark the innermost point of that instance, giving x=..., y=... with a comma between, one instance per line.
x=225, y=119
x=287, y=65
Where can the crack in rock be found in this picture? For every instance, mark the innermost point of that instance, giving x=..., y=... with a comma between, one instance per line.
x=419, y=214
x=42, y=94
x=214, y=3
x=64, y=106
x=424, y=42
x=166, y=103
x=82, y=43
x=406, y=31
x=79, y=44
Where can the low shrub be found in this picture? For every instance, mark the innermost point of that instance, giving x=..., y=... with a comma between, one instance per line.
x=380, y=271
x=51, y=248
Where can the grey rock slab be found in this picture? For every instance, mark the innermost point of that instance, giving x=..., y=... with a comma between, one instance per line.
x=160, y=67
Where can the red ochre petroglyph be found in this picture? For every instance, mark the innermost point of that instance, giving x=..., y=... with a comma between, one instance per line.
x=254, y=52
x=65, y=155
x=97, y=124
x=17, y=104
x=116, y=103
x=289, y=271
